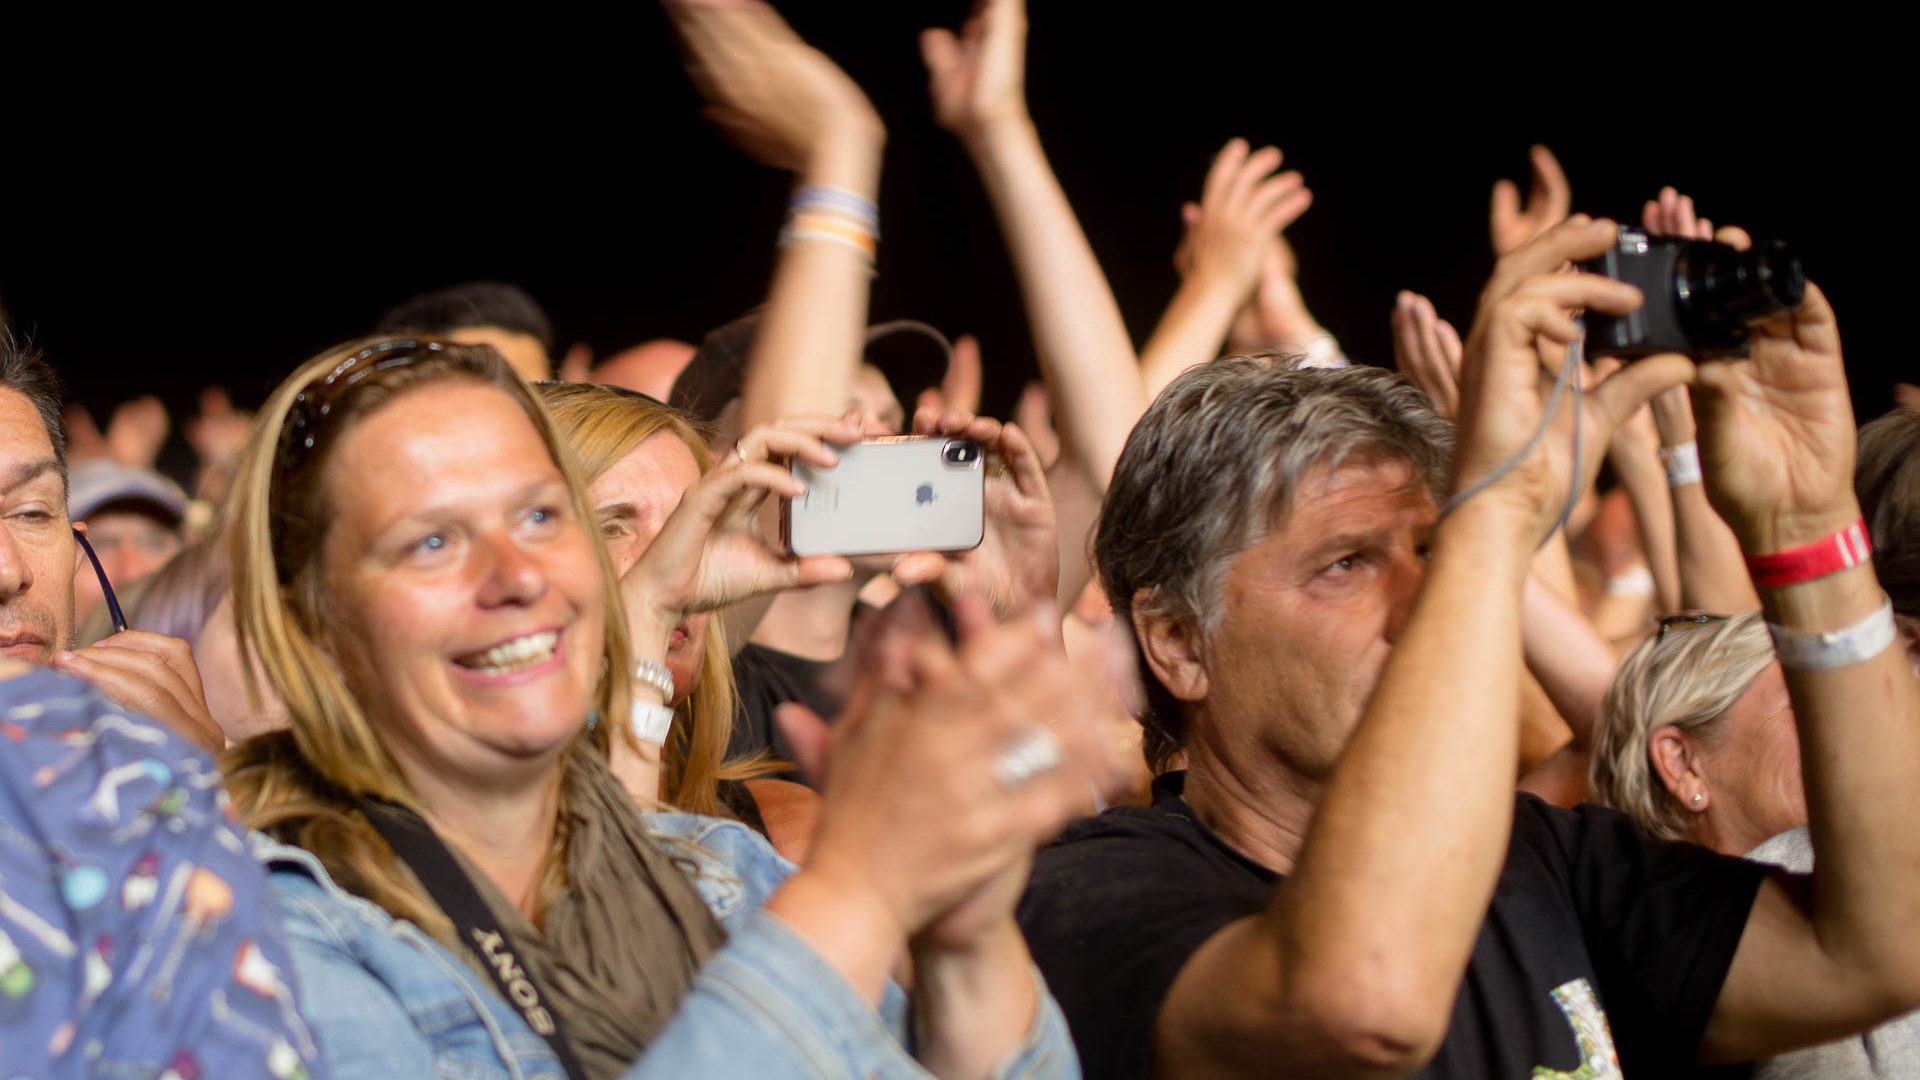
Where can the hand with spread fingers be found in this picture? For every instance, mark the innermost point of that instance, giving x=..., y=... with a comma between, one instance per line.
x=1547, y=204
x=1776, y=431
x=153, y=675
x=712, y=552
x=777, y=97
x=1018, y=562
x=1506, y=386
x=1427, y=350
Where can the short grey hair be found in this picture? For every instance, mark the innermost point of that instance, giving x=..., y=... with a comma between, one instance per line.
x=1211, y=469
x=1686, y=679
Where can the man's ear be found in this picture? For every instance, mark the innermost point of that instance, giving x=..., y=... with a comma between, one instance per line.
x=1172, y=648
x=1678, y=768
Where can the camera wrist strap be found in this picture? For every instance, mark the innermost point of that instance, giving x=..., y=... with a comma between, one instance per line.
x=428, y=857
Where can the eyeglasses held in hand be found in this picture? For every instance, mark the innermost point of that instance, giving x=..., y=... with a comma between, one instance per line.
x=106, y=587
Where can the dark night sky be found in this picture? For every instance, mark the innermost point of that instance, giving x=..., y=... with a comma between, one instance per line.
x=180, y=213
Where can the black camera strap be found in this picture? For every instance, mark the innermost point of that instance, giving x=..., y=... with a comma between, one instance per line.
x=426, y=854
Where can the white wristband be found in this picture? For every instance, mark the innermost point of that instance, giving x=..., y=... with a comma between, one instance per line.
x=651, y=723
x=1682, y=462
x=1633, y=581
x=1324, y=352
x=1855, y=644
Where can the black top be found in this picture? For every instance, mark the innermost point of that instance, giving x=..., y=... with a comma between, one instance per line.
x=1593, y=927
x=767, y=678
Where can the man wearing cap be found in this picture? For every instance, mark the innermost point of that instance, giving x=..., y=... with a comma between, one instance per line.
x=132, y=516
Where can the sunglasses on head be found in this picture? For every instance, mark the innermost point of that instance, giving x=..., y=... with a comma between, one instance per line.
x=1685, y=619
x=316, y=401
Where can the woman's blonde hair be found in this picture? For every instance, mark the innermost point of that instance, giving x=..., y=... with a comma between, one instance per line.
x=301, y=784
x=1686, y=678
x=601, y=425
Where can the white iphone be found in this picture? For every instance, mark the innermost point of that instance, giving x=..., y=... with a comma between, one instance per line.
x=889, y=495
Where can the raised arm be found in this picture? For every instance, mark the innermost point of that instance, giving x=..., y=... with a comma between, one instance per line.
x=1837, y=955
x=1350, y=972
x=791, y=108
x=978, y=83
x=1243, y=206
x=1712, y=577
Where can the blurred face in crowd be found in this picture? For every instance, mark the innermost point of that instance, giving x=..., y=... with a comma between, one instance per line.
x=131, y=544
x=880, y=411
x=1746, y=767
x=217, y=654
x=1308, y=615
x=522, y=352
x=38, y=556
x=631, y=501
x=465, y=601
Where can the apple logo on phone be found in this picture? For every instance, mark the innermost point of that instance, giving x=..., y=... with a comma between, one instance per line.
x=923, y=495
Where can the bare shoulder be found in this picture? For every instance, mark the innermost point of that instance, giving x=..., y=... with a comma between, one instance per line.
x=790, y=811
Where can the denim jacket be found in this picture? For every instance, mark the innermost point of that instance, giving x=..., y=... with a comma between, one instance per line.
x=386, y=1000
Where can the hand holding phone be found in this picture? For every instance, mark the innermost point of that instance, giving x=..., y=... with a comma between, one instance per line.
x=888, y=496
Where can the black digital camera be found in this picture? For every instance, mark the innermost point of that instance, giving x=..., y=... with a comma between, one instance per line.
x=1701, y=296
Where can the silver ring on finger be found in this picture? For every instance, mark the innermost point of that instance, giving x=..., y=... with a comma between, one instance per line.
x=1036, y=752
x=740, y=453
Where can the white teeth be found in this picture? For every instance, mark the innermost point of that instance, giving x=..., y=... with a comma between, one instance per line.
x=509, y=656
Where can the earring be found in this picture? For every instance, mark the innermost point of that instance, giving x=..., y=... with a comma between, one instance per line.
x=1698, y=798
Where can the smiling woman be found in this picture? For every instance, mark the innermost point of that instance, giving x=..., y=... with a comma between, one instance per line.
x=413, y=570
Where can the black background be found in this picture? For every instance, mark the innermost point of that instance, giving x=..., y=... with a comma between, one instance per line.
x=190, y=204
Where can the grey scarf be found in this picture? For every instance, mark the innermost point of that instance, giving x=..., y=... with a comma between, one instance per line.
x=625, y=938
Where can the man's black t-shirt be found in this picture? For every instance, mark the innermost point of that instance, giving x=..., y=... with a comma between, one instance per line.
x=1597, y=939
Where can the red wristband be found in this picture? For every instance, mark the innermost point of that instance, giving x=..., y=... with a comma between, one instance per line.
x=1843, y=550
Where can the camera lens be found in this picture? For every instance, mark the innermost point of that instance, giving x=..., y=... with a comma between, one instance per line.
x=1730, y=290
x=960, y=453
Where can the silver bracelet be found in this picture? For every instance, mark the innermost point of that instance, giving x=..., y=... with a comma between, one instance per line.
x=653, y=673
x=1845, y=647
x=1683, y=464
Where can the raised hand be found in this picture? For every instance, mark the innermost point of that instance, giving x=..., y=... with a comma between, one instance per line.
x=1018, y=561
x=1547, y=204
x=1427, y=350
x=1505, y=385
x=710, y=552
x=1777, y=434
x=778, y=98
x=1244, y=204
x=1672, y=214
x=136, y=431
x=978, y=77
x=218, y=432
x=1034, y=413
x=959, y=388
